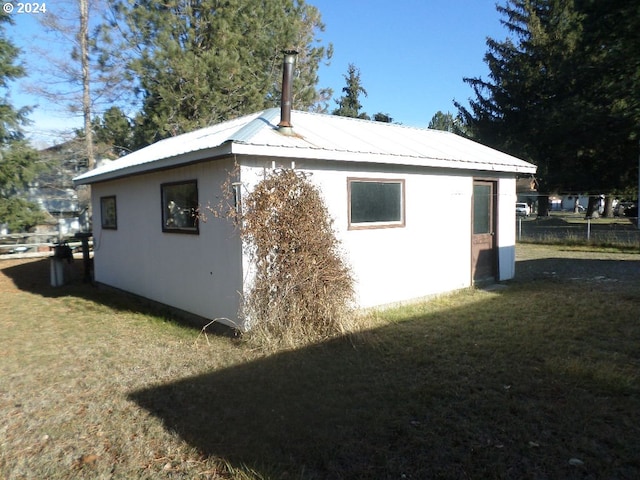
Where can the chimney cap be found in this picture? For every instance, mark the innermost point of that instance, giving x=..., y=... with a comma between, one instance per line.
x=290, y=54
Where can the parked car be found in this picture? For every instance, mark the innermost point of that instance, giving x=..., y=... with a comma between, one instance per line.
x=523, y=210
x=626, y=209
x=631, y=211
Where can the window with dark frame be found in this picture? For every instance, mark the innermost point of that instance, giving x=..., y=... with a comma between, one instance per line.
x=481, y=209
x=108, y=212
x=180, y=207
x=375, y=203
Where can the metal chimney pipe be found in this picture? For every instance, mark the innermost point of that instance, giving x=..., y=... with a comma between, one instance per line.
x=287, y=86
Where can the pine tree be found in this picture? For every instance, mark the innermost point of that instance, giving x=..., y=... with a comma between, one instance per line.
x=18, y=162
x=349, y=104
x=563, y=92
x=203, y=61
x=10, y=119
x=610, y=78
x=382, y=117
x=113, y=129
x=447, y=122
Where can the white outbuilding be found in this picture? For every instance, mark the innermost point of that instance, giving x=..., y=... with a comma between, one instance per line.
x=418, y=212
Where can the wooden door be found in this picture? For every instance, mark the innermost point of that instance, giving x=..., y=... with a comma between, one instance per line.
x=483, y=241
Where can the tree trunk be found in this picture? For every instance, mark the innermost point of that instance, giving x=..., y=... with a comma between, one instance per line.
x=86, y=92
x=543, y=206
x=608, y=207
x=593, y=208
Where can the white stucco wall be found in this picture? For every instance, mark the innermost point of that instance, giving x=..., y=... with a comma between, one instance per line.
x=506, y=228
x=398, y=264
x=206, y=273
x=431, y=254
x=201, y=274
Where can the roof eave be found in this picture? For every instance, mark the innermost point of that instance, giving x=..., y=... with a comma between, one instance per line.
x=360, y=157
x=187, y=158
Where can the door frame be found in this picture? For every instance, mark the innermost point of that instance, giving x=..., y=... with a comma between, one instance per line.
x=493, y=227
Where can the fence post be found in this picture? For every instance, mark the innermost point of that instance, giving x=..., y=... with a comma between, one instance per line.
x=84, y=238
x=519, y=229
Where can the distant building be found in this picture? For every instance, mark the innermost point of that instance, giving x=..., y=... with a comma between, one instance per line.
x=54, y=191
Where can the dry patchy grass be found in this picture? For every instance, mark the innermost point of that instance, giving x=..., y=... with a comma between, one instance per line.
x=537, y=380
x=69, y=356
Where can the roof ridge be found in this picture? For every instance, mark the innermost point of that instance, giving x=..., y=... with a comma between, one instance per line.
x=364, y=120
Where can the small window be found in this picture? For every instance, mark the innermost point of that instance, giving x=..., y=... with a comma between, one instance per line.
x=180, y=207
x=482, y=208
x=108, y=212
x=375, y=203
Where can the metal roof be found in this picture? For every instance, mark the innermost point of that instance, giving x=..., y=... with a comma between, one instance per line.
x=315, y=136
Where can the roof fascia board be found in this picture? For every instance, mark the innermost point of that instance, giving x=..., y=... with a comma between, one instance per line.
x=345, y=156
x=181, y=160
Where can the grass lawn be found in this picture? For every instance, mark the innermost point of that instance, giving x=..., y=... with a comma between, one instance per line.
x=538, y=379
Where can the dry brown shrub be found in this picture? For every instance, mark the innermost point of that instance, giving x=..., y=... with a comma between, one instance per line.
x=302, y=289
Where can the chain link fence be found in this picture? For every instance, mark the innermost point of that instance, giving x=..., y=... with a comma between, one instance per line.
x=569, y=228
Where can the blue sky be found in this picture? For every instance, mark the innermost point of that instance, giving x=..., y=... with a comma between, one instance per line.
x=412, y=56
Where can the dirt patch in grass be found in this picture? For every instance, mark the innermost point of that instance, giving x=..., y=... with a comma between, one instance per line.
x=535, y=380
x=581, y=264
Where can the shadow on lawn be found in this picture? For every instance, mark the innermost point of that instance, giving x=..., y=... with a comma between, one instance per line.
x=429, y=397
x=424, y=398
x=614, y=273
x=34, y=276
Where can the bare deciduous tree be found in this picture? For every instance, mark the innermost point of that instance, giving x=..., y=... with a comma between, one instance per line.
x=86, y=79
x=73, y=77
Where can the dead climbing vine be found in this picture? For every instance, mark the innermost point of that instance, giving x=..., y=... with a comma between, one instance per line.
x=301, y=286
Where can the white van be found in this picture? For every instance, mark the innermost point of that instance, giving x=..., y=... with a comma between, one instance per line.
x=523, y=210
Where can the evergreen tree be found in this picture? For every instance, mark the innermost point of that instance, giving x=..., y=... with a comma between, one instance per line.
x=203, y=61
x=559, y=93
x=382, y=117
x=447, y=122
x=115, y=130
x=10, y=119
x=610, y=74
x=18, y=162
x=349, y=104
